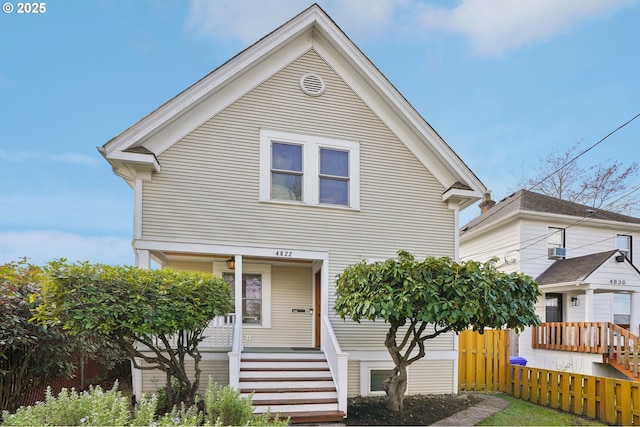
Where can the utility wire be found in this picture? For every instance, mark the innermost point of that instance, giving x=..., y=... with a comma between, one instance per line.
x=563, y=166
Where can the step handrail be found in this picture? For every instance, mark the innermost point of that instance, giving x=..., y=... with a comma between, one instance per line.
x=623, y=348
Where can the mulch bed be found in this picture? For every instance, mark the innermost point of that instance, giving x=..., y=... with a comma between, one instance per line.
x=418, y=409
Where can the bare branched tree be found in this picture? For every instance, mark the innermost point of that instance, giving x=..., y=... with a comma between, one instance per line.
x=606, y=185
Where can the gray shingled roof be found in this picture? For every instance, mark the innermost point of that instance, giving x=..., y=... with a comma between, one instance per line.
x=525, y=200
x=574, y=269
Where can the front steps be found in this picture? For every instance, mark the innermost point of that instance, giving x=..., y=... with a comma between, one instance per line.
x=292, y=384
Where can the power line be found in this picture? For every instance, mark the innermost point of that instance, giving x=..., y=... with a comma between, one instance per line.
x=563, y=166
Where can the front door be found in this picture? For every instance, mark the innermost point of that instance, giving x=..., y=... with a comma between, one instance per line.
x=553, y=312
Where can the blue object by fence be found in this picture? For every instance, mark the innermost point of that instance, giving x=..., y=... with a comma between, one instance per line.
x=515, y=360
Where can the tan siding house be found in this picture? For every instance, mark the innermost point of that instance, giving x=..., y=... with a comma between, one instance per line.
x=293, y=160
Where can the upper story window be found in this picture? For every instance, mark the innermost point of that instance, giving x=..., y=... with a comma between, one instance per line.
x=623, y=244
x=286, y=171
x=555, y=242
x=309, y=170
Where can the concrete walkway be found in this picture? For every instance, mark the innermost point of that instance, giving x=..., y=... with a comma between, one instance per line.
x=478, y=412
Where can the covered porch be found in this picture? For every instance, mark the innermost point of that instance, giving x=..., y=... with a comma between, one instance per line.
x=280, y=299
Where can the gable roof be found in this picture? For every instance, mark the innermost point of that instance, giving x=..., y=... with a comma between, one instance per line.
x=311, y=29
x=574, y=269
x=525, y=201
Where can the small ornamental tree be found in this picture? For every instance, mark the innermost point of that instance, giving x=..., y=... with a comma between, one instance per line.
x=30, y=354
x=423, y=299
x=158, y=316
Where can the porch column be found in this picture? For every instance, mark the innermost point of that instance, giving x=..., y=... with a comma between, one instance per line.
x=238, y=290
x=143, y=259
x=588, y=306
x=634, y=320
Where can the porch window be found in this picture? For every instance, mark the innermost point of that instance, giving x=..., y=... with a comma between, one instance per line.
x=309, y=170
x=623, y=244
x=251, y=296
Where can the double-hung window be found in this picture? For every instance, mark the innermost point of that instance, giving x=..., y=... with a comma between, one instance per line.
x=309, y=170
x=623, y=244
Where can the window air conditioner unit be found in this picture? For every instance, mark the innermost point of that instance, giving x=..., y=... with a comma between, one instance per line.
x=556, y=253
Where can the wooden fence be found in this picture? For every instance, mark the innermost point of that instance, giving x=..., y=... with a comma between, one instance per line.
x=484, y=366
x=609, y=400
x=483, y=359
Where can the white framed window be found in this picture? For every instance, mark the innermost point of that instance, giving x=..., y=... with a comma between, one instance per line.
x=622, y=309
x=555, y=241
x=372, y=373
x=256, y=292
x=309, y=170
x=623, y=244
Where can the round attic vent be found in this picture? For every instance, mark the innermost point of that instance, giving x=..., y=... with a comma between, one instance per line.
x=312, y=84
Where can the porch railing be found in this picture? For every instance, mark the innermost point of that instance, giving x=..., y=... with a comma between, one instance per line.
x=218, y=334
x=583, y=337
x=337, y=360
x=624, y=348
x=618, y=345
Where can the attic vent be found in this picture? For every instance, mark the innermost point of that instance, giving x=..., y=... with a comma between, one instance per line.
x=312, y=84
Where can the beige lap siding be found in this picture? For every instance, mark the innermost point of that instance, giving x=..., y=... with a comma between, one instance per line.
x=424, y=377
x=218, y=370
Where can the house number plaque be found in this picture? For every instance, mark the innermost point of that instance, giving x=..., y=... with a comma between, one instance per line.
x=286, y=254
x=617, y=282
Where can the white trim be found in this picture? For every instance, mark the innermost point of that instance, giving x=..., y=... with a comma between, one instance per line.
x=311, y=145
x=265, y=271
x=209, y=248
x=137, y=208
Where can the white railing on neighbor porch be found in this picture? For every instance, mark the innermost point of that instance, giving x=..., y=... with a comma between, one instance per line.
x=337, y=360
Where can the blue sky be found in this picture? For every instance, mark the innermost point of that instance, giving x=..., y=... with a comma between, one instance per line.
x=503, y=82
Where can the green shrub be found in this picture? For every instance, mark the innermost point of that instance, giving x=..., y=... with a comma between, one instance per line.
x=225, y=407
x=89, y=408
x=185, y=416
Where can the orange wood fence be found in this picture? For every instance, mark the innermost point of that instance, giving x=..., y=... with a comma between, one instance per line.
x=483, y=359
x=484, y=366
x=609, y=400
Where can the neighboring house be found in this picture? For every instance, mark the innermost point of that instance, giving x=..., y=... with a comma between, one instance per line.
x=583, y=260
x=291, y=161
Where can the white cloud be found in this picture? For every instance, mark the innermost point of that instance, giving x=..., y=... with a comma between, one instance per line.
x=492, y=28
x=42, y=246
x=507, y=25
x=73, y=158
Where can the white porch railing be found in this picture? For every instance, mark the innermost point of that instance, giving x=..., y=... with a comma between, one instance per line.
x=234, y=356
x=337, y=360
x=218, y=334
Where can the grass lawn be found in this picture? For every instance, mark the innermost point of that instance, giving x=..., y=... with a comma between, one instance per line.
x=521, y=413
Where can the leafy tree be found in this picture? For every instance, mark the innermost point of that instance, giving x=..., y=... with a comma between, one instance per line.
x=158, y=316
x=30, y=354
x=603, y=185
x=423, y=299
